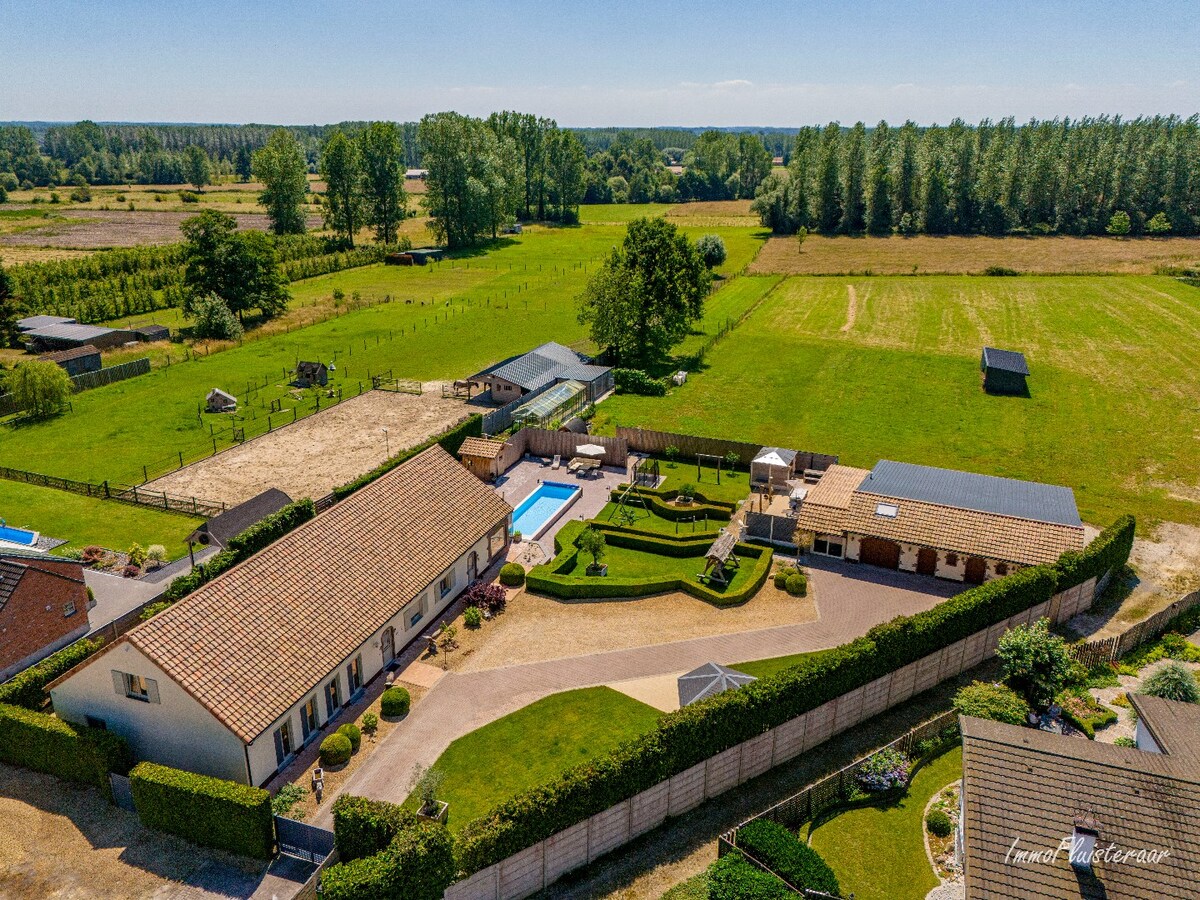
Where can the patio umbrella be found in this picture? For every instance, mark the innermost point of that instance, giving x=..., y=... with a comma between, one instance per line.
x=708, y=680
x=589, y=450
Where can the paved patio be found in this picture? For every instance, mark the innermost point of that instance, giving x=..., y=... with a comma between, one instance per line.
x=522, y=479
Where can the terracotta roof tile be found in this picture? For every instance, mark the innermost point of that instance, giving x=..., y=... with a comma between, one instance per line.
x=481, y=447
x=252, y=642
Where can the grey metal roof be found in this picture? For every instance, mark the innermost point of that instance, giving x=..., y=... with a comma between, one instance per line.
x=1005, y=360
x=31, y=322
x=582, y=372
x=71, y=332
x=539, y=366
x=708, y=681
x=219, y=529
x=968, y=490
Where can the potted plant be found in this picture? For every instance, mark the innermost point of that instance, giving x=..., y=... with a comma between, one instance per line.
x=687, y=493
x=517, y=536
x=426, y=785
x=592, y=542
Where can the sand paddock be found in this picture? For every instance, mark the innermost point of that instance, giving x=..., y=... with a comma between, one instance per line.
x=316, y=454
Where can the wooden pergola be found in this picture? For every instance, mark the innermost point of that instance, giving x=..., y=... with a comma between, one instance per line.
x=720, y=559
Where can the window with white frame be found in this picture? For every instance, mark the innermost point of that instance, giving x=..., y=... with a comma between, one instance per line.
x=446, y=585
x=68, y=609
x=135, y=687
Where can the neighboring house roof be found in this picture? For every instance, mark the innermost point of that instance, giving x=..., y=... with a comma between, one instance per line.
x=1005, y=361
x=538, y=367
x=31, y=322
x=968, y=490
x=1028, y=786
x=959, y=519
x=71, y=332
x=255, y=640
x=14, y=566
x=62, y=356
x=219, y=529
x=708, y=681
x=481, y=448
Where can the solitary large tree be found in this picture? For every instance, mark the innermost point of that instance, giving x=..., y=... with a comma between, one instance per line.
x=240, y=267
x=341, y=167
x=198, y=167
x=39, y=388
x=646, y=295
x=381, y=150
x=282, y=169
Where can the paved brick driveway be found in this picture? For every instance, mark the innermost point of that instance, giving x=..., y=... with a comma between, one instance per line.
x=851, y=599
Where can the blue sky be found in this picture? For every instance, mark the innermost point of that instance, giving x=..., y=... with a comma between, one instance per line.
x=615, y=63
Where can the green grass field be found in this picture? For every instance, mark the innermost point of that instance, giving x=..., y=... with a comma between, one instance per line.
x=648, y=521
x=85, y=520
x=533, y=745
x=878, y=852
x=1113, y=411
x=464, y=315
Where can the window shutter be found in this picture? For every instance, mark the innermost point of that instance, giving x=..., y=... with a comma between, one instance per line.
x=279, y=754
x=329, y=699
x=152, y=690
x=119, y=682
x=304, y=721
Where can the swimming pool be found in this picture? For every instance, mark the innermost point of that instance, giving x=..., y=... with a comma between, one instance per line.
x=543, y=505
x=19, y=536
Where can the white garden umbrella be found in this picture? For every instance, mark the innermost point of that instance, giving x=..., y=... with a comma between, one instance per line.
x=589, y=450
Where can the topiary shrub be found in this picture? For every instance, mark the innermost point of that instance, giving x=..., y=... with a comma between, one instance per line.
x=395, y=702
x=732, y=877
x=207, y=811
x=350, y=730
x=781, y=576
x=336, y=750
x=1174, y=681
x=939, y=823
x=472, y=617
x=991, y=701
x=788, y=857
x=512, y=574
x=796, y=584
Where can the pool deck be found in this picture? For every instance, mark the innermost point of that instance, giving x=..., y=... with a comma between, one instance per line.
x=522, y=479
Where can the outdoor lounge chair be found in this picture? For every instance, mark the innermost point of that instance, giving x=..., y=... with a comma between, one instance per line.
x=556, y=462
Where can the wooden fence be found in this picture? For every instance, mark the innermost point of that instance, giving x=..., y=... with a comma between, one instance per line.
x=110, y=374
x=1109, y=650
x=548, y=444
x=106, y=490
x=655, y=442
x=537, y=867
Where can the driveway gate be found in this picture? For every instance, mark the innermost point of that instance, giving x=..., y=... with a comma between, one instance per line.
x=303, y=841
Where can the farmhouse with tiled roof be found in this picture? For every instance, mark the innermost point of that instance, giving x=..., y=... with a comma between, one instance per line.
x=235, y=678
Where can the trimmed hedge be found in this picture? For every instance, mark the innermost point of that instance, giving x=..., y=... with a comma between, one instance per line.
x=353, y=734
x=660, y=505
x=637, y=381
x=395, y=702
x=694, y=733
x=792, y=860
x=451, y=440
x=363, y=827
x=733, y=877
x=336, y=749
x=242, y=546
x=28, y=688
x=207, y=811
x=512, y=574
x=555, y=579
x=1109, y=551
x=45, y=743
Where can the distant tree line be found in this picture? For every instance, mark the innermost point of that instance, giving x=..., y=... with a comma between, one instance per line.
x=1090, y=176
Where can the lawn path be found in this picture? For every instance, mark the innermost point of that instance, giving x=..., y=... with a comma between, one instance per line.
x=850, y=602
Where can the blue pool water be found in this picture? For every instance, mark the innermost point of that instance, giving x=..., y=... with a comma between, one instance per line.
x=543, y=504
x=18, y=536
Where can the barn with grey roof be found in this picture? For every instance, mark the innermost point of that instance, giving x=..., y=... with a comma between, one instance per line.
x=540, y=368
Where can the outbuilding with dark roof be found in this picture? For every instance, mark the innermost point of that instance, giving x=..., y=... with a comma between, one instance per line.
x=219, y=529
x=76, y=361
x=1004, y=371
x=549, y=364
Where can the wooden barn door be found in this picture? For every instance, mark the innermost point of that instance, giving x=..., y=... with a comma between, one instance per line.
x=927, y=561
x=882, y=553
x=976, y=570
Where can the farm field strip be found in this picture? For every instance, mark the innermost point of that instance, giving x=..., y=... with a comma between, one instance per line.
x=1113, y=411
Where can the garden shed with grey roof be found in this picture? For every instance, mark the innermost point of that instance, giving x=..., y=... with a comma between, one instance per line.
x=1004, y=371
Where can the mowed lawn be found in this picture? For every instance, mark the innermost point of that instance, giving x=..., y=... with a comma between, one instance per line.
x=445, y=321
x=534, y=745
x=1114, y=410
x=85, y=520
x=878, y=852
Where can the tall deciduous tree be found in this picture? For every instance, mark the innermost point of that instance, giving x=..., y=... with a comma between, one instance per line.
x=878, y=191
x=241, y=268
x=341, y=167
x=381, y=148
x=646, y=295
x=39, y=388
x=854, y=166
x=243, y=163
x=829, y=187
x=566, y=164
x=282, y=169
x=198, y=167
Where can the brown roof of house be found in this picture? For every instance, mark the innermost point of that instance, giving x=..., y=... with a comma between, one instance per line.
x=481, y=448
x=14, y=565
x=1174, y=726
x=252, y=642
x=62, y=356
x=1028, y=786
x=838, y=505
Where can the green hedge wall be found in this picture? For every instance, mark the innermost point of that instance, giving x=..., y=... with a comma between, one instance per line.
x=45, y=743
x=28, y=688
x=451, y=440
x=207, y=811
x=555, y=578
x=414, y=862
x=1110, y=550
x=791, y=859
x=694, y=733
x=363, y=827
x=659, y=503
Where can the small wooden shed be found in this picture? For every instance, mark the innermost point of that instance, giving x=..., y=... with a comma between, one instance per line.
x=1004, y=371
x=311, y=373
x=483, y=457
x=77, y=360
x=218, y=401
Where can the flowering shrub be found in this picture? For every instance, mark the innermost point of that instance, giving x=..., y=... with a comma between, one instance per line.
x=489, y=597
x=883, y=770
x=91, y=555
